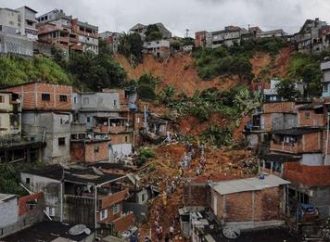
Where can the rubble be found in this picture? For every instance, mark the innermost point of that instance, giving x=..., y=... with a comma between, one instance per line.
x=166, y=172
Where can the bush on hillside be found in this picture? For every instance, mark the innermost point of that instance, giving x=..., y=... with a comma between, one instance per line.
x=16, y=70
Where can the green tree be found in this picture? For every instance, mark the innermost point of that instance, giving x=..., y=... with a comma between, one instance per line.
x=131, y=45
x=167, y=94
x=96, y=71
x=287, y=90
x=146, y=87
x=153, y=33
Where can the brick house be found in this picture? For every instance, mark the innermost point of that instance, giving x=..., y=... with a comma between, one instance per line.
x=67, y=33
x=47, y=115
x=89, y=150
x=249, y=203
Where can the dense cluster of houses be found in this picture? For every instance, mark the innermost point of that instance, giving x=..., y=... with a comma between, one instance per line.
x=25, y=34
x=313, y=37
x=291, y=141
x=86, y=140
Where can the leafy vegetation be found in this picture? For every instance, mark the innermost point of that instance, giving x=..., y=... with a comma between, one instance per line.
x=146, y=86
x=218, y=135
x=131, y=46
x=229, y=103
x=306, y=68
x=85, y=70
x=153, y=33
x=234, y=60
x=167, y=94
x=144, y=155
x=287, y=90
x=16, y=70
x=10, y=177
x=95, y=72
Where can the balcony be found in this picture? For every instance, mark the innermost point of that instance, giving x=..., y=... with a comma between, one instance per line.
x=293, y=148
x=109, y=200
x=111, y=129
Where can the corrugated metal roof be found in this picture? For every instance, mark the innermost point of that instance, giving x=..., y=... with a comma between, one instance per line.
x=248, y=184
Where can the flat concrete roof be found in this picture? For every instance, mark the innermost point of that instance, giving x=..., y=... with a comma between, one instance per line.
x=248, y=184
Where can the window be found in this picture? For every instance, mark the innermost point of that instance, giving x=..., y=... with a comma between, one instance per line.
x=325, y=87
x=45, y=97
x=115, y=103
x=116, y=208
x=61, y=141
x=27, y=181
x=103, y=214
x=63, y=98
x=126, y=139
x=74, y=99
x=2, y=99
x=88, y=119
x=96, y=149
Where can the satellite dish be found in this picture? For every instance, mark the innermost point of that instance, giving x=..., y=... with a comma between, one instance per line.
x=77, y=229
x=87, y=231
x=231, y=232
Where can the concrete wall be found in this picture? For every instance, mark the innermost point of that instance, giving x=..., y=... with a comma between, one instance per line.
x=9, y=212
x=314, y=159
x=15, y=44
x=50, y=127
x=50, y=187
x=320, y=198
x=9, y=18
x=106, y=102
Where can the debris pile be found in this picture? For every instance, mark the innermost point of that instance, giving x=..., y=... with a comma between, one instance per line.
x=177, y=164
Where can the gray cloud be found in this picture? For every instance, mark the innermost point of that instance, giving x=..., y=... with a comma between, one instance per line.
x=179, y=15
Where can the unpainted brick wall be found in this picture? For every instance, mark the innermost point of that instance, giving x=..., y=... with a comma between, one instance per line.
x=279, y=107
x=307, y=175
x=249, y=206
x=196, y=194
x=32, y=96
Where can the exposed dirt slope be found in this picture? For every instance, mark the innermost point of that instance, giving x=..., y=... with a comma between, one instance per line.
x=178, y=71
x=265, y=66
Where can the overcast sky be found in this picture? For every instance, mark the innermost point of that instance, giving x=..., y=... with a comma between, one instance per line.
x=179, y=15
